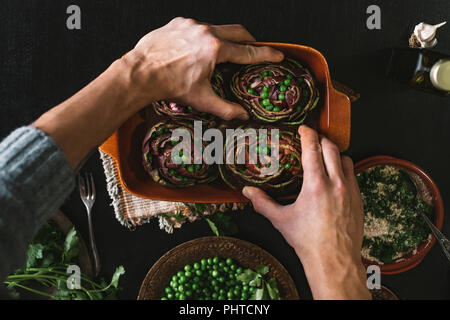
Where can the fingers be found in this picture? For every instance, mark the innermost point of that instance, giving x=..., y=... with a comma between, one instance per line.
x=331, y=159
x=349, y=171
x=232, y=32
x=312, y=160
x=262, y=202
x=210, y=102
x=246, y=54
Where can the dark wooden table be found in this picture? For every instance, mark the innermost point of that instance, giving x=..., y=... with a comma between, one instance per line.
x=42, y=63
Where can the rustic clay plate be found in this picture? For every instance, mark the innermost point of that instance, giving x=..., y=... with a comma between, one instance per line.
x=418, y=174
x=245, y=253
x=124, y=146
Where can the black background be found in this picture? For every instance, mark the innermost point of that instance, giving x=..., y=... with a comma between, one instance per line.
x=42, y=63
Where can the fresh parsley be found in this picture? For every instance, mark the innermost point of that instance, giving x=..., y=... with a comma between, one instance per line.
x=48, y=256
x=265, y=289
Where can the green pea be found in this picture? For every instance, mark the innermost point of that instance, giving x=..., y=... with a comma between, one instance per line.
x=289, y=76
x=180, y=288
x=215, y=295
x=198, y=272
x=203, y=261
x=264, y=74
x=230, y=295
x=170, y=296
x=188, y=293
x=168, y=289
x=187, y=267
x=264, y=94
x=287, y=82
x=251, y=91
x=281, y=96
x=283, y=88
x=163, y=298
x=215, y=273
x=233, y=267
x=182, y=297
x=265, y=89
x=239, y=270
x=276, y=109
x=181, y=280
x=269, y=107
x=244, y=296
x=216, y=260
x=221, y=264
x=229, y=261
x=196, y=265
x=287, y=166
x=188, y=274
x=265, y=102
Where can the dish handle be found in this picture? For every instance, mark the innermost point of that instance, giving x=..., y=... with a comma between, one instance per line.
x=336, y=123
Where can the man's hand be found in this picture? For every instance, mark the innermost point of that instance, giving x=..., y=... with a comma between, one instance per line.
x=176, y=62
x=325, y=224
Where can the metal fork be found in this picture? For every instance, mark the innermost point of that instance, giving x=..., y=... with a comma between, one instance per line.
x=87, y=193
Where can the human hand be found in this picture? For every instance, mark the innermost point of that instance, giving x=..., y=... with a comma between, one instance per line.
x=325, y=224
x=176, y=63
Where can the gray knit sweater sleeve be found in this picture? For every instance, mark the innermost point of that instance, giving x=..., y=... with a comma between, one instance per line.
x=35, y=179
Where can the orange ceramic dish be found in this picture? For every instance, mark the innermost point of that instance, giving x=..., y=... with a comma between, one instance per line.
x=124, y=146
x=411, y=261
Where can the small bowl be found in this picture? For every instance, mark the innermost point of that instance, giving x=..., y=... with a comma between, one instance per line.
x=410, y=261
x=245, y=253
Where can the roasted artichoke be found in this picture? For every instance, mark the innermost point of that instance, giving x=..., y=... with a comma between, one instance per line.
x=162, y=166
x=185, y=113
x=276, y=92
x=284, y=178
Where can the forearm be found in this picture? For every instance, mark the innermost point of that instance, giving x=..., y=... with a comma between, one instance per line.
x=85, y=120
x=333, y=277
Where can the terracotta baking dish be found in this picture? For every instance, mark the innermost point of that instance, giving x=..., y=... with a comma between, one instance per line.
x=125, y=144
x=413, y=260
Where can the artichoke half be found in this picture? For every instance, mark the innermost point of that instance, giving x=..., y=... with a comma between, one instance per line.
x=276, y=92
x=160, y=165
x=186, y=113
x=286, y=177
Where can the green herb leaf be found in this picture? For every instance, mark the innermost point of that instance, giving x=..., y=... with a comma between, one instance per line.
x=222, y=224
x=34, y=253
x=120, y=270
x=272, y=289
x=71, y=246
x=262, y=269
x=258, y=295
x=248, y=275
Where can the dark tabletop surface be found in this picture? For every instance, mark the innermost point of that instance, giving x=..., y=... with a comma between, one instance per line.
x=42, y=63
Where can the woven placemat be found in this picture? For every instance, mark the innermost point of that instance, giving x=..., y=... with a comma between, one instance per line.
x=132, y=211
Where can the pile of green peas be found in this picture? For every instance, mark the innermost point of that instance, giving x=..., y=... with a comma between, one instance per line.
x=209, y=279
